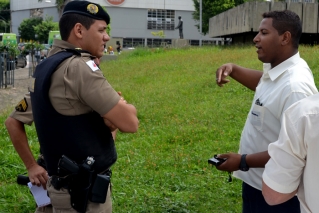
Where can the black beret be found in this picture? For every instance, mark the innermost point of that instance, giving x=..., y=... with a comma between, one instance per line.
x=86, y=8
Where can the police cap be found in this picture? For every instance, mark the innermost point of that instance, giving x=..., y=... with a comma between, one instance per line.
x=86, y=8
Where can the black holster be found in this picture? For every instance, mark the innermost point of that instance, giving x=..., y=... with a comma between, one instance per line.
x=79, y=189
x=82, y=182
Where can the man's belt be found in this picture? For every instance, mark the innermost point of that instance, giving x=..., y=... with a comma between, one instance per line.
x=63, y=182
x=60, y=182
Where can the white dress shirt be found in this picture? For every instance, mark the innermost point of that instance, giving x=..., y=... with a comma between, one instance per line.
x=278, y=88
x=294, y=158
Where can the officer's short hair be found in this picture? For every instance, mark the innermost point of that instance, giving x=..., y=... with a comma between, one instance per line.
x=286, y=20
x=82, y=12
x=68, y=21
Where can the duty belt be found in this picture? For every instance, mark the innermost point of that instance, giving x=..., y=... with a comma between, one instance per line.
x=60, y=182
x=63, y=182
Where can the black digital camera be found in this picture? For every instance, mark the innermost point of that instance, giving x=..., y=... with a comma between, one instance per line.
x=216, y=161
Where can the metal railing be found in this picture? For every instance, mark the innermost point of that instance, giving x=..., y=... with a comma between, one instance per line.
x=7, y=68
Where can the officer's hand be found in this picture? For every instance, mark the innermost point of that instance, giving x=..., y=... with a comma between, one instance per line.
x=232, y=162
x=122, y=98
x=109, y=124
x=38, y=175
x=222, y=73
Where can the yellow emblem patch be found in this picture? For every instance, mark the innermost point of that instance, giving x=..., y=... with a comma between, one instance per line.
x=92, y=8
x=22, y=106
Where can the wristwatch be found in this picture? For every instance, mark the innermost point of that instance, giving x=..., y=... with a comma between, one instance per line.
x=243, y=165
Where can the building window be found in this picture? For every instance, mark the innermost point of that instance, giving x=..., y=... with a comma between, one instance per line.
x=160, y=19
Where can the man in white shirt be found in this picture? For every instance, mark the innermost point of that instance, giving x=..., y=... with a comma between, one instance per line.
x=286, y=79
x=293, y=166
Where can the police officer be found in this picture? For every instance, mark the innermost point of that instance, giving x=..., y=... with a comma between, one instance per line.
x=20, y=116
x=75, y=108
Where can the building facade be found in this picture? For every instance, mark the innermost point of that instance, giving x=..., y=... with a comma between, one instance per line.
x=241, y=23
x=133, y=21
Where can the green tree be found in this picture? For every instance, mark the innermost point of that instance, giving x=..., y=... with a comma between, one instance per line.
x=11, y=51
x=211, y=8
x=26, y=28
x=159, y=34
x=4, y=16
x=43, y=29
x=31, y=48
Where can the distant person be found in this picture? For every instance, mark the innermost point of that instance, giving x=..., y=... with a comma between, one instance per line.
x=285, y=80
x=180, y=27
x=293, y=166
x=37, y=56
x=110, y=50
x=118, y=47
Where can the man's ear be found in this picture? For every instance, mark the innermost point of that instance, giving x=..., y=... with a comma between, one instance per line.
x=286, y=38
x=78, y=30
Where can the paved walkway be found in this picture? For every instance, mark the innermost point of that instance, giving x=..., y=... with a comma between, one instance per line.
x=10, y=96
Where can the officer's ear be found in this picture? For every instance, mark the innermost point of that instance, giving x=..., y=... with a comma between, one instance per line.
x=78, y=30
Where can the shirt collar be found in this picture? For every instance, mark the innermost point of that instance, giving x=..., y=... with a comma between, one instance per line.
x=280, y=68
x=60, y=45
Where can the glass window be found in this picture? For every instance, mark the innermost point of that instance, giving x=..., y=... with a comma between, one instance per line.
x=158, y=19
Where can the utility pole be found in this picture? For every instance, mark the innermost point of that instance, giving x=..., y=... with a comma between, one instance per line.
x=10, y=16
x=200, y=22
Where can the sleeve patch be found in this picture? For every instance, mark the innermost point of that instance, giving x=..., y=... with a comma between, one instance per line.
x=92, y=65
x=22, y=106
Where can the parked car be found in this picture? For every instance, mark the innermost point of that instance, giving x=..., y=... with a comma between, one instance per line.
x=21, y=61
x=21, y=46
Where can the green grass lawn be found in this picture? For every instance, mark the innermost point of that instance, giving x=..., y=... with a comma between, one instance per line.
x=185, y=118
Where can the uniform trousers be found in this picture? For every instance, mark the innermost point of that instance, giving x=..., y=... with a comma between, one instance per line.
x=61, y=201
x=44, y=209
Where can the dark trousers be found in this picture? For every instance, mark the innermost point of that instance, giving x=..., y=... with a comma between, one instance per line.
x=254, y=202
x=181, y=36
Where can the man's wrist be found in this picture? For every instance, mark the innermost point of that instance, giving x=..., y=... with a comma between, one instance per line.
x=243, y=164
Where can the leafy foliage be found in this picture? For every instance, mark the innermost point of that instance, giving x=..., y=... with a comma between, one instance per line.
x=4, y=16
x=159, y=34
x=9, y=48
x=26, y=28
x=43, y=29
x=211, y=8
x=31, y=48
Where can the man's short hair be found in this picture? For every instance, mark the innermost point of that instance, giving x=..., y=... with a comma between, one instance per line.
x=284, y=21
x=68, y=21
